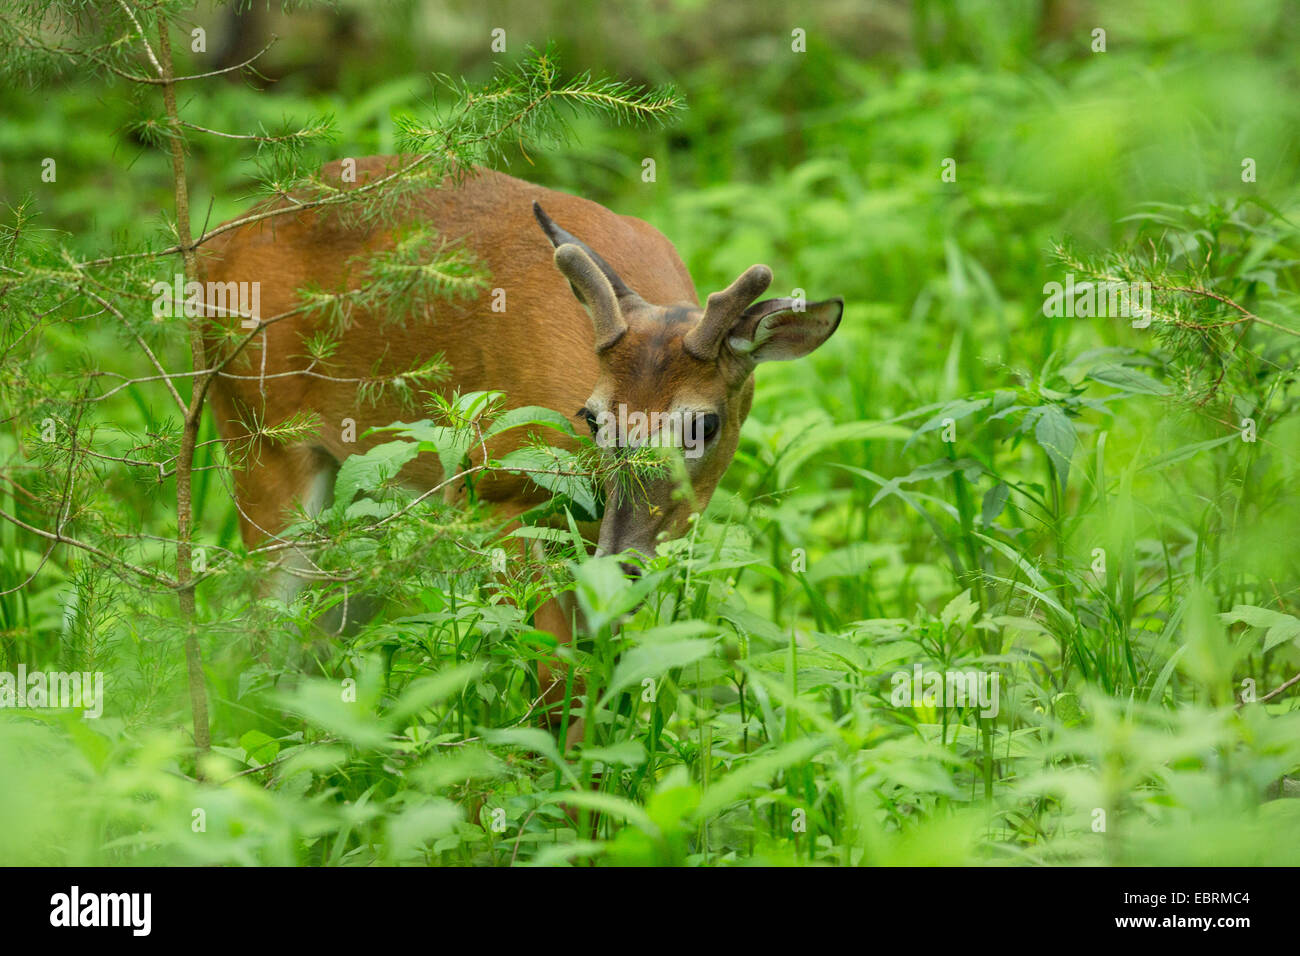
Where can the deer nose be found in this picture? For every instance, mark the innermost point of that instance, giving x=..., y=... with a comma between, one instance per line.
x=629, y=569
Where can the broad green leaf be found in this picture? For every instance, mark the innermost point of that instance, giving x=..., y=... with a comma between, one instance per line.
x=604, y=593
x=1128, y=380
x=606, y=803
x=845, y=649
x=529, y=415
x=627, y=753
x=652, y=660
x=995, y=499
x=428, y=691
x=259, y=747
x=368, y=471
x=1054, y=433
x=417, y=825
x=961, y=408
x=753, y=771
x=451, y=445
x=958, y=611
x=1278, y=627
x=321, y=703
x=559, y=472
x=529, y=738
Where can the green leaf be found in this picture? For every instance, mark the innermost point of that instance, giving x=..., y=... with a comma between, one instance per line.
x=652, y=660
x=627, y=753
x=1278, y=627
x=608, y=804
x=529, y=738
x=559, y=472
x=1187, y=451
x=604, y=592
x=425, y=692
x=1016, y=558
x=368, y=471
x=755, y=770
x=1065, y=706
x=1054, y=433
x=958, y=611
x=542, y=533
x=260, y=748
x=995, y=499
x=942, y=468
x=451, y=445
x=417, y=825
x=321, y=703
x=564, y=853
x=1069, y=620
x=1158, y=688
x=961, y=408
x=1128, y=380
x=530, y=415
x=858, y=658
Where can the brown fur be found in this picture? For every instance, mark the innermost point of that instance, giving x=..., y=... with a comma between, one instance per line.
x=540, y=351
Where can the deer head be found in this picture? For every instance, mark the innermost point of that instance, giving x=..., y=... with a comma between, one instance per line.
x=675, y=375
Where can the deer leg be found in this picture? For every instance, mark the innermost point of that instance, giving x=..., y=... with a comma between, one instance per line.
x=555, y=618
x=267, y=489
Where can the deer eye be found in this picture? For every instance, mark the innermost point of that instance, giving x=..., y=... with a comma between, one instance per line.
x=706, y=426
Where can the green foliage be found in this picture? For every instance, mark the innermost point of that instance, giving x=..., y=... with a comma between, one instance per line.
x=1097, y=509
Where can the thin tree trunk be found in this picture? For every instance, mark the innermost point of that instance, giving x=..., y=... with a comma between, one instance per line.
x=189, y=432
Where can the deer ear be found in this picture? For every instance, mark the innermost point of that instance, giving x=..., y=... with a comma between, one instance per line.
x=559, y=237
x=781, y=329
x=593, y=290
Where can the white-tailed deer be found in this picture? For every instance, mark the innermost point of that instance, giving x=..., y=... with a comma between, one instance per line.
x=624, y=331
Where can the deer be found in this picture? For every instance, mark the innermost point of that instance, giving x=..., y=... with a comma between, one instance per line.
x=601, y=314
